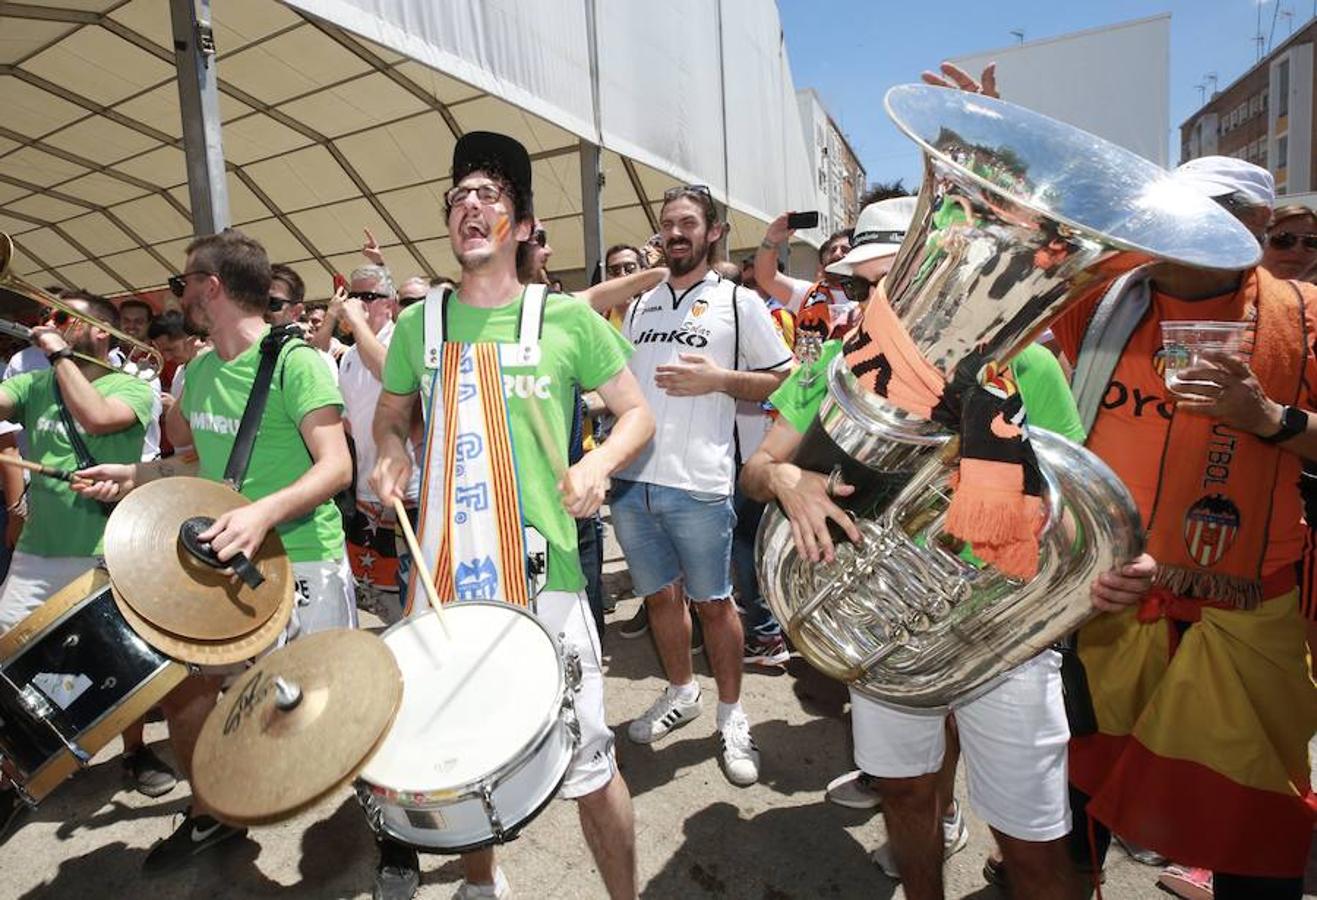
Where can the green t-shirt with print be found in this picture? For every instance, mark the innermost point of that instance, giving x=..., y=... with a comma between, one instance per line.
x=214, y=397
x=1048, y=402
x=577, y=348
x=60, y=522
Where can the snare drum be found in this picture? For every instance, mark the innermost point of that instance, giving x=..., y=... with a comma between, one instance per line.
x=73, y=676
x=485, y=734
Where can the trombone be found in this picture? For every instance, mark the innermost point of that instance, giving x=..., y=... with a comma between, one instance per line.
x=141, y=360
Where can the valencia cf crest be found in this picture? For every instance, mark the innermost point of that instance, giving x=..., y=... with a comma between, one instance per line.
x=698, y=308
x=1210, y=527
x=1159, y=362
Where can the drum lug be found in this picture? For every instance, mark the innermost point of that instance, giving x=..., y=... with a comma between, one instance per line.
x=39, y=706
x=487, y=801
x=374, y=812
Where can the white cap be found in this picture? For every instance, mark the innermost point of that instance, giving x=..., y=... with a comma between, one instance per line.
x=879, y=231
x=1217, y=176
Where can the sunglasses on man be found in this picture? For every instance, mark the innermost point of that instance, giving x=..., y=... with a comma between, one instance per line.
x=178, y=283
x=857, y=289
x=1285, y=240
x=617, y=270
x=683, y=190
x=366, y=296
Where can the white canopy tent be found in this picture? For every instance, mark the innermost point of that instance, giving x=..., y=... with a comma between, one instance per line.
x=341, y=114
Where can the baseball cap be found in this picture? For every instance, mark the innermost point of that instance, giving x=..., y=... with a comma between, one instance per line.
x=879, y=231
x=497, y=153
x=1217, y=176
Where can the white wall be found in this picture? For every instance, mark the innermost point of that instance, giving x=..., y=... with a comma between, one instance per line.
x=1112, y=81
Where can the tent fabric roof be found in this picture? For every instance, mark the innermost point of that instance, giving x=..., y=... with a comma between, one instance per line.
x=324, y=133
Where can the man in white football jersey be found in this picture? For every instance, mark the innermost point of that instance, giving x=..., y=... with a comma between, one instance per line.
x=701, y=344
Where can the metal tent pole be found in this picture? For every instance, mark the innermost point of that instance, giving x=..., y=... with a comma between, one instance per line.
x=198, y=99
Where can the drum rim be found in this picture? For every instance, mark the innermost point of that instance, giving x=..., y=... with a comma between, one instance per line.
x=472, y=788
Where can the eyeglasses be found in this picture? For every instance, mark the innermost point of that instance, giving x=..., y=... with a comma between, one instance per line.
x=487, y=193
x=277, y=303
x=366, y=296
x=1284, y=240
x=683, y=190
x=620, y=269
x=857, y=289
x=541, y=237
x=405, y=302
x=178, y=283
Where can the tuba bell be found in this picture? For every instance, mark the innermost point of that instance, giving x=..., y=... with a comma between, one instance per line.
x=17, y=296
x=1018, y=217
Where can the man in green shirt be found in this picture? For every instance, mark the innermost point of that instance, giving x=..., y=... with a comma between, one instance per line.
x=299, y=461
x=63, y=533
x=489, y=212
x=1015, y=735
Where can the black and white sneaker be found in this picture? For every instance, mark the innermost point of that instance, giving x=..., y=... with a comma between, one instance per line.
x=398, y=874
x=667, y=713
x=196, y=835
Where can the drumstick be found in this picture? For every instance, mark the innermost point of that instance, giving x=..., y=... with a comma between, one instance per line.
x=48, y=471
x=418, y=562
x=545, y=438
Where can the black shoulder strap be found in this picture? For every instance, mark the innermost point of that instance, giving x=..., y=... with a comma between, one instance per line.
x=80, y=451
x=736, y=365
x=241, y=454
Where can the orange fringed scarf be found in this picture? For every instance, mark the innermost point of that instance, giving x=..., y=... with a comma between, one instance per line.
x=996, y=506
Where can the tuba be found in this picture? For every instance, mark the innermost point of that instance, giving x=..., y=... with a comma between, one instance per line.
x=1018, y=217
x=17, y=296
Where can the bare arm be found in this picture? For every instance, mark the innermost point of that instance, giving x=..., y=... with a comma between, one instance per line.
x=695, y=375
x=803, y=495
x=767, y=277
x=368, y=345
x=393, y=464
x=618, y=291
x=321, y=337
x=585, y=484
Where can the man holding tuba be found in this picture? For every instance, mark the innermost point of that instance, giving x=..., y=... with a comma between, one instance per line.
x=1015, y=735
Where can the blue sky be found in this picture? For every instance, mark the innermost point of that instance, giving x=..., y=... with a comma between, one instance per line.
x=851, y=51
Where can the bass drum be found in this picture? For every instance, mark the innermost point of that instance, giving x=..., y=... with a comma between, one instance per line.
x=73, y=676
x=485, y=734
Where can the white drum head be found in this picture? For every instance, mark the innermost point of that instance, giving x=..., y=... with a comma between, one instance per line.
x=471, y=701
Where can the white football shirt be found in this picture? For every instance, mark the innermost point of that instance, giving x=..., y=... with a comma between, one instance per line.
x=693, y=445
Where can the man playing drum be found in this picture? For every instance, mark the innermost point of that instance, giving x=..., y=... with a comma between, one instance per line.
x=556, y=344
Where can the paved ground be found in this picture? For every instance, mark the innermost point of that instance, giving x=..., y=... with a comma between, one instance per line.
x=698, y=835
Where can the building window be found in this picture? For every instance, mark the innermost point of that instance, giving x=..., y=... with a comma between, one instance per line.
x=1282, y=151
x=1283, y=88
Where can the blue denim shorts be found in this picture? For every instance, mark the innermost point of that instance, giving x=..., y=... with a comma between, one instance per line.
x=668, y=533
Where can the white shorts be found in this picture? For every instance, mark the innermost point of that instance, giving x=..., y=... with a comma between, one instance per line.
x=32, y=580
x=567, y=617
x=1013, y=741
x=326, y=597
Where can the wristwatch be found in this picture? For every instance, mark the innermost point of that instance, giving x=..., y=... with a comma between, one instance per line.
x=1293, y=421
x=61, y=353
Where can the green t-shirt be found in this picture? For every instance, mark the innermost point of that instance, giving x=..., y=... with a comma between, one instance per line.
x=1048, y=402
x=577, y=348
x=214, y=397
x=61, y=523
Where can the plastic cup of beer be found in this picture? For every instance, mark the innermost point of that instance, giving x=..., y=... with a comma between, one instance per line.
x=1185, y=343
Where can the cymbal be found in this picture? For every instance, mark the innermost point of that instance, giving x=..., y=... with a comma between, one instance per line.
x=257, y=761
x=209, y=653
x=171, y=589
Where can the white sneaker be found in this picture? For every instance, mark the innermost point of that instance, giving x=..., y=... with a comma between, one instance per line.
x=740, y=756
x=499, y=890
x=668, y=712
x=955, y=837
x=853, y=791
